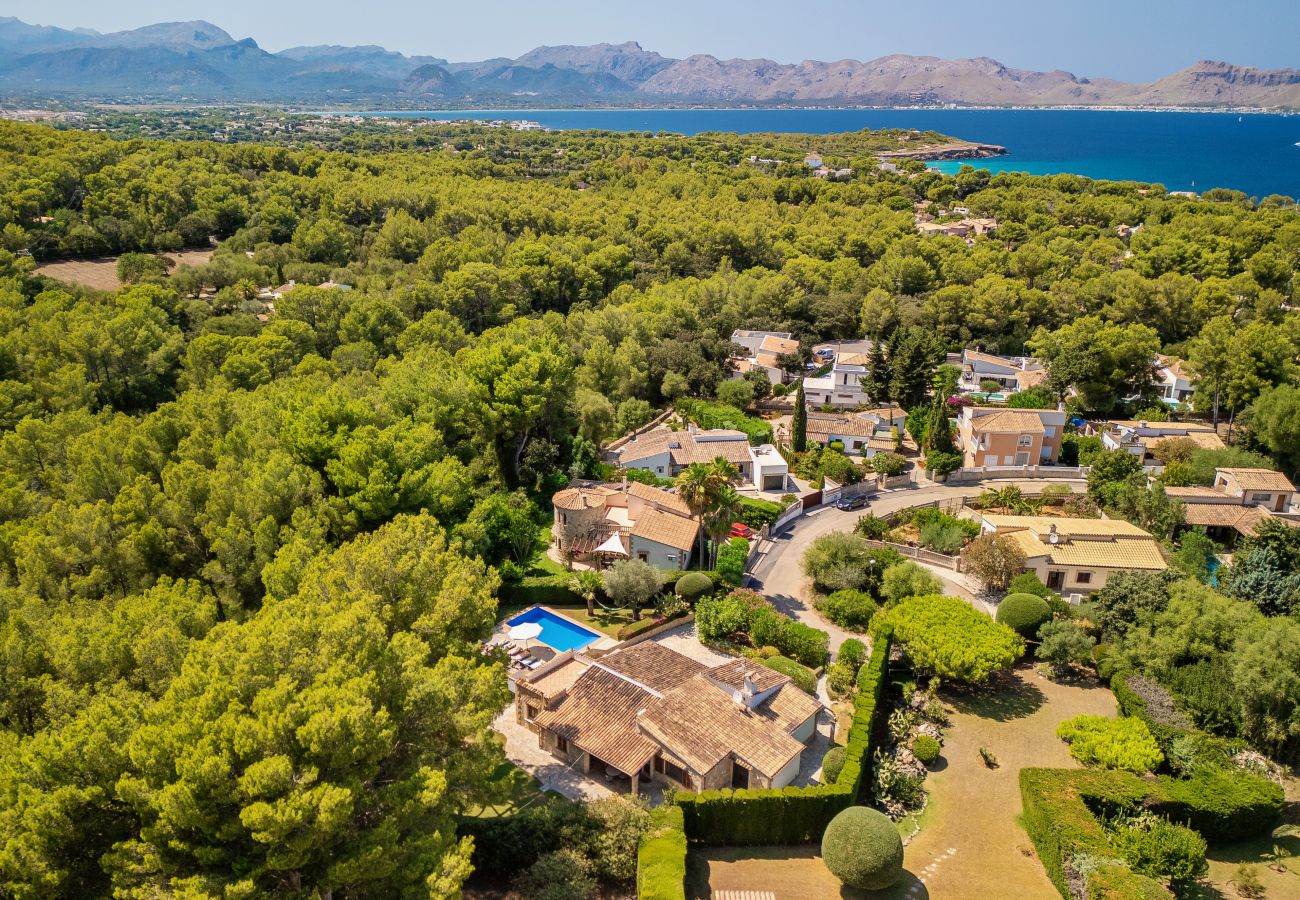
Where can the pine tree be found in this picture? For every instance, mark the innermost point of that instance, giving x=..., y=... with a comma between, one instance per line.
x=879, y=375
x=799, y=428
x=938, y=434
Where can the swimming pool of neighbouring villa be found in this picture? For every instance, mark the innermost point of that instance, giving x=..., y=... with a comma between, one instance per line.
x=558, y=632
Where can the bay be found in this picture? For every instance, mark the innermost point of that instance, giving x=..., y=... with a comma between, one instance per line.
x=1184, y=151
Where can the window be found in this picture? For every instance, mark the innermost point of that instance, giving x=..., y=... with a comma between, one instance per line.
x=530, y=712
x=659, y=469
x=1260, y=498
x=561, y=744
x=674, y=772
x=564, y=518
x=1049, y=430
x=1026, y=440
x=1083, y=578
x=643, y=556
x=857, y=445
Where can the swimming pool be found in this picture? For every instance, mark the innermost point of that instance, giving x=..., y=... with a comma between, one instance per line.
x=558, y=632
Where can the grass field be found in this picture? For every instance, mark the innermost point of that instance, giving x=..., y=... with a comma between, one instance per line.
x=100, y=273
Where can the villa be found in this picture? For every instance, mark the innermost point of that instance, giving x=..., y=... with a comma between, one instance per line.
x=646, y=714
x=605, y=522
x=1239, y=500
x=665, y=453
x=764, y=350
x=1173, y=380
x=1077, y=556
x=993, y=436
x=862, y=434
x=1012, y=373
x=842, y=388
x=1141, y=438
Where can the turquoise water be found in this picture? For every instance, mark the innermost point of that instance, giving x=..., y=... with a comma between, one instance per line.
x=557, y=631
x=1183, y=151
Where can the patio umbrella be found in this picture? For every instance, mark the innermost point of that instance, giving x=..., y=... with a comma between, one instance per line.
x=525, y=631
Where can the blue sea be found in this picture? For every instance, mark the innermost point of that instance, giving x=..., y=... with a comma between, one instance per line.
x=1184, y=151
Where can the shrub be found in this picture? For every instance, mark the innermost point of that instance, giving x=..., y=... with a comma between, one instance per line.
x=802, y=676
x=839, y=679
x=994, y=560
x=796, y=640
x=721, y=619
x=952, y=639
x=872, y=528
x=1024, y=614
x=694, y=585
x=840, y=561
x=661, y=858
x=757, y=512
x=832, y=765
x=1029, y=583
x=1162, y=850
x=722, y=415
x=1226, y=805
x=641, y=626
x=942, y=538
x=852, y=652
x=849, y=609
x=1112, y=743
x=563, y=874
x=731, y=561
x=889, y=464
x=925, y=748
x=612, y=846
x=862, y=849
x=1063, y=643
x=907, y=579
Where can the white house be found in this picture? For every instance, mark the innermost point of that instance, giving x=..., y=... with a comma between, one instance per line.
x=1173, y=381
x=842, y=388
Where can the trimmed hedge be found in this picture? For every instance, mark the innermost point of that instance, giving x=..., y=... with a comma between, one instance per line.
x=632, y=629
x=796, y=815
x=553, y=590
x=1062, y=805
x=1168, y=725
x=1024, y=613
x=661, y=857
x=802, y=676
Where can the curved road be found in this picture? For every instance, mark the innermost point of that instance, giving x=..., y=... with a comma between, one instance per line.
x=778, y=575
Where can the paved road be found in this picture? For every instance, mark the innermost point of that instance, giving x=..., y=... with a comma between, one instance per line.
x=778, y=574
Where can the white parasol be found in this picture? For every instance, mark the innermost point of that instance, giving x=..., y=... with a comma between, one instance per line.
x=613, y=545
x=525, y=631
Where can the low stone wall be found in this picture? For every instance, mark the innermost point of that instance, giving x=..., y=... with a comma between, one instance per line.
x=990, y=473
x=920, y=554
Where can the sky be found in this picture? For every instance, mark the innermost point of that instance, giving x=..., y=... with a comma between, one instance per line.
x=1132, y=40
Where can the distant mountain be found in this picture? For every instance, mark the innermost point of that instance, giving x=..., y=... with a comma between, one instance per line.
x=200, y=60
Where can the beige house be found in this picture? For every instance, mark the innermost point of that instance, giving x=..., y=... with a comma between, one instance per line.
x=763, y=350
x=1141, y=438
x=1078, y=556
x=860, y=434
x=1237, y=503
x=993, y=436
x=649, y=714
x=603, y=522
x=664, y=452
x=1012, y=373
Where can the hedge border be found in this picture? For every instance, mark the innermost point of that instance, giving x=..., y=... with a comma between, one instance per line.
x=661, y=857
x=796, y=815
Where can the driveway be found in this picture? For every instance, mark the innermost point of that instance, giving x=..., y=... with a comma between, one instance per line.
x=779, y=576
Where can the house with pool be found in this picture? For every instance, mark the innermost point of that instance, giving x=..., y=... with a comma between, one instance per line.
x=646, y=714
x=603, y=523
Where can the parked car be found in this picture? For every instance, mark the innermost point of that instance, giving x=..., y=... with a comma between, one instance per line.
x=848, y=503
x=741, y=530
x=825, y=353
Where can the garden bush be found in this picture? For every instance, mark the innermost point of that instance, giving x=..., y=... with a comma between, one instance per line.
x=889, y=464
x=757, y=512
x=802, y=676
x=723, y=619
x=853, y=652
x=1024, y=614
x=949, y=638
x=942, y=538
x=908, y=579
x=692, y=586
x=832, y=765
x=1029, y=583
x=641, y=626
x=796, y=640
x=1112, y=743
x=661, y=857
x=1226, y=805
x=862, y=848
x=839, y=679
x=840, y=561
x=1161, y=849
x=872, y=528
x=543, y=590
x=925, y=748
x=849, y=609
x=732, y=557
x=563, y=874
x=721, y=415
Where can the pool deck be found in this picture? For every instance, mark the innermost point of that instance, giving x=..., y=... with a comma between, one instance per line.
x=544, y=651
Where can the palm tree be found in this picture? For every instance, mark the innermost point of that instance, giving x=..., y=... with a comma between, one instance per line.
x=587, y=585
x=726, y=509
x=696, y=487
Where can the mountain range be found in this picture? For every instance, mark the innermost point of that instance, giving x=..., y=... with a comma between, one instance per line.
x=202, y=62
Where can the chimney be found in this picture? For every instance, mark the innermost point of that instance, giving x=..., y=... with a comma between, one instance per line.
x=748, y=687
x=625, y=482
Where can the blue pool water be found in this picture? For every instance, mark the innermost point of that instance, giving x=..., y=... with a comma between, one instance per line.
x=1184, y=151
x=557, y=632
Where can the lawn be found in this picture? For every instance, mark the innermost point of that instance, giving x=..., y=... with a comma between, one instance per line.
x=541, y=564
x=520, y=786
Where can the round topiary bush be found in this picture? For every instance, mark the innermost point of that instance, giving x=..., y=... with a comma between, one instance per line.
x=1024, y=614
x=861, y=847
x=694, y=585
x=925, y=748
x=832, y=765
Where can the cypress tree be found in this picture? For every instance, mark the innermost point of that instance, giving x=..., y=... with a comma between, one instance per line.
x=799, y=428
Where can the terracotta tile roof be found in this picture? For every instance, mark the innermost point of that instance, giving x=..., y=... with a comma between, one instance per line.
x=659, y=497
x=1244, y=519
x=885, y=413
x=1030, y=378
x=790, y=707
x=1260, y=480
x=1195, y=490
x=553, y=680
x=700, y=723
x=732, y=673
x=1010, y=421
x=692, y=451
x=828, y=424
x=599, y=715
x=779, y=345
x=581, y=498
x=853, y=359
x=666, y=528
x=882, y=444
x=1090, y=543
x=653, y=665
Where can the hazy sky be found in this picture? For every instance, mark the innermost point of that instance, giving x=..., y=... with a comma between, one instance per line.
x=1127, y=39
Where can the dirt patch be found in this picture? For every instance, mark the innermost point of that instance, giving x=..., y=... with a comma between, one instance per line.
x=971, y=846
x=100, y=273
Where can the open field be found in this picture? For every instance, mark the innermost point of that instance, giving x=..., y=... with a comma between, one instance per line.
x=100, y=273
x=970, y=846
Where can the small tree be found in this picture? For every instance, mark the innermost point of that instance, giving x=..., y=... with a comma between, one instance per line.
x=736, y=392
x=994, y=559
x=950, y=638
x=633, y=583
x=799, y=427
x=907, y=579
x=587, y=585
x=1064, y=644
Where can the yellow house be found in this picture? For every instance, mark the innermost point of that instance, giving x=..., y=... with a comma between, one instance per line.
x=1078, y=556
